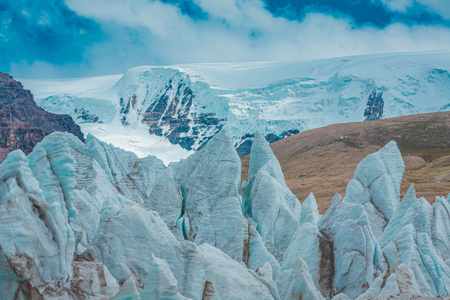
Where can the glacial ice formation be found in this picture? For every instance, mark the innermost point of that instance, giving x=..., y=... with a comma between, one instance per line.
x=297, y=283
x=268, y=200
x=376, y=185
x=91, y=221
x=37, y=245
x=396, y=281
x=210, y=182
x=128, y=291
x=310, y=210
x=407, y=240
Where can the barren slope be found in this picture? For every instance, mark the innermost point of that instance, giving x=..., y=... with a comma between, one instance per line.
x=323, y=160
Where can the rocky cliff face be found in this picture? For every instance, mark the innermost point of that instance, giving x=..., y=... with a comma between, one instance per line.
x=171, y=110
x=375, y=104
x=22, y=123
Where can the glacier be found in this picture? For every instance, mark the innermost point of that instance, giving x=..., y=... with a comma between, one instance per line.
x=268, y=200
x=170, y=111
x=88, y=220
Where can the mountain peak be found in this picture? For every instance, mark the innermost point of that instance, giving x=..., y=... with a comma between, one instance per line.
x=23, y=124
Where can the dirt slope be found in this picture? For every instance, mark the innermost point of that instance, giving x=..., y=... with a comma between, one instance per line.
x=323, y=160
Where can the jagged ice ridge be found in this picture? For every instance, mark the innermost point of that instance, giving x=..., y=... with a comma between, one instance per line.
x=91, y=221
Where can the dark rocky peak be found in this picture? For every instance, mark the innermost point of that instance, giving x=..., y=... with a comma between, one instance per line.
x=12, y=91
x=22, y=123
x=375, y=105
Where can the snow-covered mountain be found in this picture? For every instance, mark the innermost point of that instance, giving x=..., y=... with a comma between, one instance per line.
x=87, y=220
x=187, y=104
x=91, y=221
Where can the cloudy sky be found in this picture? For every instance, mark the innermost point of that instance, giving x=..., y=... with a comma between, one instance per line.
x=69, y=38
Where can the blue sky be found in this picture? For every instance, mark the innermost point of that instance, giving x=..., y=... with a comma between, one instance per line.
x=68, y=38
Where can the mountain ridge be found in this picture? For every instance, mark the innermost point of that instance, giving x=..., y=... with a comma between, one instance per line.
x=188, y=104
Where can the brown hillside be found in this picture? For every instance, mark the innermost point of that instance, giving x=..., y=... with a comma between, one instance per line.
x=323, y=160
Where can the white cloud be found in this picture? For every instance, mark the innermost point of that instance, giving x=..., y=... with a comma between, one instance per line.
x=440, y=7
x=398, y=5
x=37, y=69
x=161, y=19
x=151, y=32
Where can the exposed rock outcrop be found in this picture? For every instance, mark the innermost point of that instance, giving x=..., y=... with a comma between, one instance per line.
x=22, y=123
x=164, y=100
